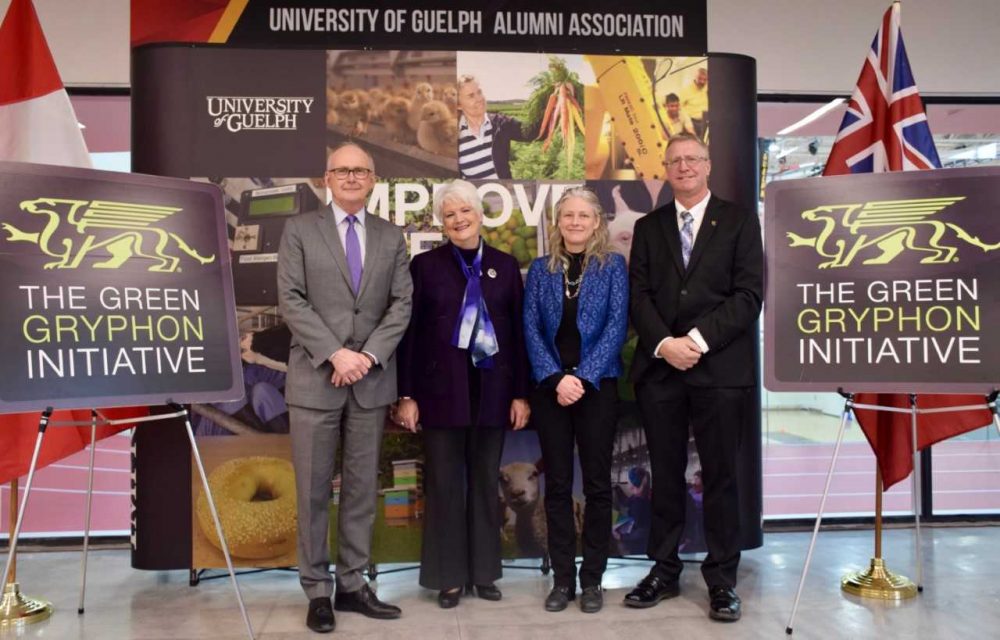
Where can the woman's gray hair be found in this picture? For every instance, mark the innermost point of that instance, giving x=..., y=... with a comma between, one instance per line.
x=465, y=78
x=599, y=245
x=458, y=191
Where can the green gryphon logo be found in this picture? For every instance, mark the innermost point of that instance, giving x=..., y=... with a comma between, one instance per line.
x=882, y=230
x=136, y=234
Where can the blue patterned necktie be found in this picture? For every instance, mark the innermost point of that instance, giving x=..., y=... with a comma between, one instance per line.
x=687, y=236
x=353, y=250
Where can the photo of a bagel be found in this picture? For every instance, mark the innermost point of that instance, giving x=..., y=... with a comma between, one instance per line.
x=254, y=496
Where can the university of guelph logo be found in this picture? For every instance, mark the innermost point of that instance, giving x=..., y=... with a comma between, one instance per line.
x=119, y=230
x=879, y=231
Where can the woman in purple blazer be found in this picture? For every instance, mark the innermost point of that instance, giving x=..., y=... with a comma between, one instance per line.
x=463, y=376
x=575, y=317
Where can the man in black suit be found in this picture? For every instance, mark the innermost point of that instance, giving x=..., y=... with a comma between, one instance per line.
x=696, y=278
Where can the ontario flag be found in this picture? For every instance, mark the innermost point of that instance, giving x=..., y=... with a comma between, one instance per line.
x=37, y=124
x=885, y=129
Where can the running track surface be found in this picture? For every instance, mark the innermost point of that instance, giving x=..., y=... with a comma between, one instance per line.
x=966, y=480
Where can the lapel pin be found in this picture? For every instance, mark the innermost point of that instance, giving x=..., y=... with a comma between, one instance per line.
x=492, y=272
x=713, y=223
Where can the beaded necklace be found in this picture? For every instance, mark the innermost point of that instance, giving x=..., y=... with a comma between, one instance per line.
x=572, y=287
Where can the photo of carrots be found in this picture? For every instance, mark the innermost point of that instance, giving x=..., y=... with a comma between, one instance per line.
x=557, y=87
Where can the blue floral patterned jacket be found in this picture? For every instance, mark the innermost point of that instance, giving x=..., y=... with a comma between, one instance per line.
x=602, y=318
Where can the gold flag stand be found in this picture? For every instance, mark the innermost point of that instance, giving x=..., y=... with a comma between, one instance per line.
x=17, y=610
x=877, y=581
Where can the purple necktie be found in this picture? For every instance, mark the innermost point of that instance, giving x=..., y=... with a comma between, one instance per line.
x=353, y=253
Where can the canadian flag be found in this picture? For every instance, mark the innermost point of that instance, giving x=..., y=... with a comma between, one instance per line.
x=37, y=124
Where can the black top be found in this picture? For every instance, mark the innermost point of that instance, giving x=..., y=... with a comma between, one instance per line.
x=568, y=334
x=468, y=255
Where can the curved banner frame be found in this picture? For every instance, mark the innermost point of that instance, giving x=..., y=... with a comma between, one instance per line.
x=257, y=121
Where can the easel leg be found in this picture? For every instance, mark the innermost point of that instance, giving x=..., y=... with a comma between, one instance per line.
x=991, y=403
x=915, y=493
x=819, y=514
x=90, y=498
x=215, y=518
x=43, y=422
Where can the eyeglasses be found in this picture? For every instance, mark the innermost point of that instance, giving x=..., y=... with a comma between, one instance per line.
x=691, y=161
x=341, y=173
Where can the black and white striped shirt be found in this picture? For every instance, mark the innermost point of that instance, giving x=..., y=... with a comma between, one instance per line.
x=475, y=153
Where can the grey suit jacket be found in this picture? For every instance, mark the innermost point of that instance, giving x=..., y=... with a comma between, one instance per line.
x=317, y=301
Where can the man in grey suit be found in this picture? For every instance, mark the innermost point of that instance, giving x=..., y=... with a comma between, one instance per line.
x=344, y=289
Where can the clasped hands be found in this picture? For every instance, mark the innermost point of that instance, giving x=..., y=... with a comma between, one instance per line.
x=681, y=353
x=348, y=367
x=407, y=413
x=569, y=390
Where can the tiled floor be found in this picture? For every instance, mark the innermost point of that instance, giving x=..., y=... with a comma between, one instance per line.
x=961, y=598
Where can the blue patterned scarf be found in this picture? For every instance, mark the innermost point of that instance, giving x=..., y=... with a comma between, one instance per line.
x=474, y=328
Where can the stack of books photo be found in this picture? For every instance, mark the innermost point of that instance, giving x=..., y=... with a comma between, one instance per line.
x=405, y=500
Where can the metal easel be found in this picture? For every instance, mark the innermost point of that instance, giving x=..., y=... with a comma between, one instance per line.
x=883, y=579
x=177, y=412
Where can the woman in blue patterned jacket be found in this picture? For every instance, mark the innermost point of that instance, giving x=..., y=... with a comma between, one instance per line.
x=575, y=317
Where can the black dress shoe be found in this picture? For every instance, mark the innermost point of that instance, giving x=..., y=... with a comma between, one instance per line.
x=725, y=605
x=559, y=598
x=448, y=598
x=591, y=599
x=365, y=602
x=320, y=617
x=650, y=591
x=485, y=591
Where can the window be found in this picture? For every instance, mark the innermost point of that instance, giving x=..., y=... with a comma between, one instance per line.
x=800, y=429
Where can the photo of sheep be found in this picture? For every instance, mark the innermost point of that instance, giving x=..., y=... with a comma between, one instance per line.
x=400, y=105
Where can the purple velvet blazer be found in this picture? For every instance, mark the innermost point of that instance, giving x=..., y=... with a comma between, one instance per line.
x=435, y=373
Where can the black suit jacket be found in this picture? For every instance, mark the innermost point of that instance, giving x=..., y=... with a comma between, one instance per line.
x=435, y=373
x=720, y=293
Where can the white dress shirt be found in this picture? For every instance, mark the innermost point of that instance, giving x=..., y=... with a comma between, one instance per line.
x=698, y=213
x=340, y=216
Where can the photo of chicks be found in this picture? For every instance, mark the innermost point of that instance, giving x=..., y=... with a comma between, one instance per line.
x=401, y=106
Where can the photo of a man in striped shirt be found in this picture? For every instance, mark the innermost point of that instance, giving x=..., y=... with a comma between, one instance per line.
x=484, y=138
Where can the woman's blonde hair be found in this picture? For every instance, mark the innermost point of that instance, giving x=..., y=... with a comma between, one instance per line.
x=599, y=245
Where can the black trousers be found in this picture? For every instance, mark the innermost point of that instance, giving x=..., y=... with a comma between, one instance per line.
x=715, y=415
x=590, y=422
x=461, y=541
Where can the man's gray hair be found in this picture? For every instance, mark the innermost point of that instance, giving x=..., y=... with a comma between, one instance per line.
x=685, y=137
x=351, y=143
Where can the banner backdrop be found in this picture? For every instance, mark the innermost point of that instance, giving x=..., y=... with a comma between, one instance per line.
x=116, y=290
x=676, y=28
x=884, y=282
x=258, y=120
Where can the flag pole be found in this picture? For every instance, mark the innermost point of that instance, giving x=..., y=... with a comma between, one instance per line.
x=876, y=581
x=11, y=523
x=17, y=610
